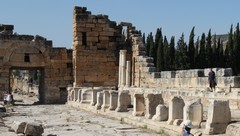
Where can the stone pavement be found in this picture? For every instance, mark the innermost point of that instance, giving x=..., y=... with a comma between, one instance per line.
x=61, y=120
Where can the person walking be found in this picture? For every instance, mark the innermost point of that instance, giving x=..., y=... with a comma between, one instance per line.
x=212, y=80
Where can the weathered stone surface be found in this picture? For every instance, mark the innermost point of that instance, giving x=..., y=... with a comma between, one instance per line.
x=18, y=127
x=219, y=116
x=33, y=129
x=106, y=99
x=151, y=102
x=176, y=105
x=124, y=100
x=177, y=122
x=139, y=105
x=113, y=100
x=161, y=113
x=233, y=129
x=168, y=74
x=193, y=110
x=99, y=100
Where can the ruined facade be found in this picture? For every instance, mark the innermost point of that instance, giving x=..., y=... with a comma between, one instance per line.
x=26, y=52
x=112, y=74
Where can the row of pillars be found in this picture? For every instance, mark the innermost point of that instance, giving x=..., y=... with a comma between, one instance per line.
x=124, y=74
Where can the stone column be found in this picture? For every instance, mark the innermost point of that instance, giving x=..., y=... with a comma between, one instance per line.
x=128, y=74
x=119, y=69
x=113, y=100
x=123, y=67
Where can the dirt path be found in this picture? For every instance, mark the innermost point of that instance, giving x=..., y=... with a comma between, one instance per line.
x=60, y=120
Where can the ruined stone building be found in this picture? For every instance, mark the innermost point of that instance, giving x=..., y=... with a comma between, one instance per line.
x=26, y=52
x=112, y=74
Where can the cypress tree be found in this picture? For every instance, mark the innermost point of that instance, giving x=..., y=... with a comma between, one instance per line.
x=202, y=58
x=166, y=54
x=236, y=48
x=143, y=37
x=151, y=46
x=196, y=54
x=172, y=53
x=209, y=49
x=158, y=41
x=181, y=54
x=191, y=50
x=214, y=51
x=221, y=53
x=160, y=61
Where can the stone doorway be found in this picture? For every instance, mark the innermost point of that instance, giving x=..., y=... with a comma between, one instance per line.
x=27, y=81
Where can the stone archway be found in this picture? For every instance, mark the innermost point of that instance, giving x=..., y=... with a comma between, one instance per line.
x=26, y=52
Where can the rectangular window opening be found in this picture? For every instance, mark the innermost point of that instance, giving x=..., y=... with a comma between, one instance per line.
x=26, y=57
x=84, y=38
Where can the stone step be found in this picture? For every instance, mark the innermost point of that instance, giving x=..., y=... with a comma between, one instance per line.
x=148, y=69
x=146, y=64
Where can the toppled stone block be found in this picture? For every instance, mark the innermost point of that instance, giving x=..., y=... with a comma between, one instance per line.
x=161, y=113
x=219, y=116
x=33, y=129
x=18, y=127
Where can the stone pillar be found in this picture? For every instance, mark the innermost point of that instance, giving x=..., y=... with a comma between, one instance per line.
x=70, y=94
x=161, y=113
x=128, y=74
x=106, y=100
x=99, y=100
x=193, y=110
x=124, y=100
x=119, y=69
x=113, y=100
x=79, y=95
x=219, y=116
x=75, y=94
x=94, y=95
x=123, y=67
x=151, y=102
x=176, y=105
x=138, y=105
x=86, y=95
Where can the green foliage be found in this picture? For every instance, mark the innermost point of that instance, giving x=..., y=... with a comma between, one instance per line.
x=191, y=49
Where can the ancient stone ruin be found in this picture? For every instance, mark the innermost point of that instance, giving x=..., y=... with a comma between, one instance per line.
x=120, y=79
x=108, y=72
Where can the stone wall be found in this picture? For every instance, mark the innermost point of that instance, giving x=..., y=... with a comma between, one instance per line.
x=25, y=52
x=96, y=45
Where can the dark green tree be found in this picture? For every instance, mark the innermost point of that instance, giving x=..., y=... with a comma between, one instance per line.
x=221, y=53
x=196, y=53
x=143, y=37
x=150, y=45
x=214, y=51
x=160, y=55
x=191, y=50
x=166, y=54
x=172, y=53
x=236, y=50
x=181, y=61
x=158, y=42
x=209, y=49
x=202, y=53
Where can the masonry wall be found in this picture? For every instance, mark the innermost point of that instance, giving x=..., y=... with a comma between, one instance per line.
x=36, y=52
x=96, y=44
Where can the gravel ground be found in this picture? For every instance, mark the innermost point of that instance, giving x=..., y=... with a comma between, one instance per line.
x=61, y=120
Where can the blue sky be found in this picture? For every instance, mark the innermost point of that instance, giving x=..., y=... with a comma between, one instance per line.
x=53, y=18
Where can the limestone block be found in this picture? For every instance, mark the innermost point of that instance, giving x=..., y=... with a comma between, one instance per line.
x=233, y=129
x=219, y=116
x=176, y=105
x=161, y=113
x=113, y=100
x=75, y=94
x=223, y=72
x=138, y=105
x=124, y=100
x=168, y=74
x=177, y=122
x=86, y=95
x=94, y=95
x=148, y=69
x=151, y=102
x=33, y=129
x=99, y=100
x=233, y=81
x=18, y=127
x=106, y=99
x=193, y=110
